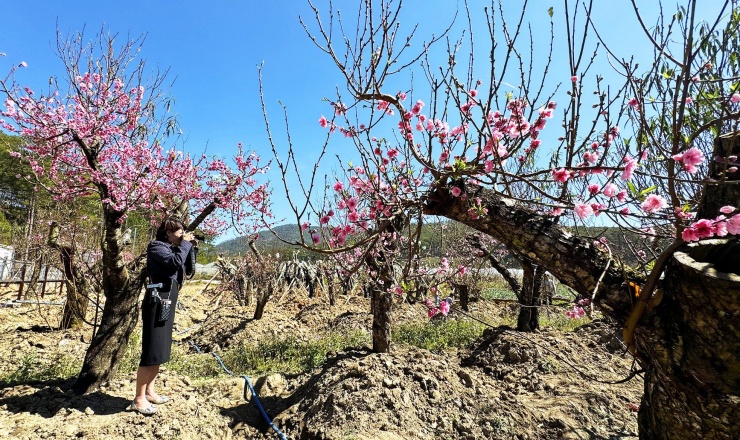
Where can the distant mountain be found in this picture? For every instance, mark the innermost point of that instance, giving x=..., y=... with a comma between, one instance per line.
x=437, y=239
x=266, y=241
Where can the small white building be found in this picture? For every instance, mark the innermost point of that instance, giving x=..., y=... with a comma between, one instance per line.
x=6, y=261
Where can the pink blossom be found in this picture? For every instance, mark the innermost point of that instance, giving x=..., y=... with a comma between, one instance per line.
x=456, y=191
x=315, y=238
x=339, y=108
x=720, y=226
x=690, y=159
x=304, y=226
x=733, y=225
x=727, y=209
x=689, y=234
x=629, y=168
x=591, y=157
x=593, y=188
x=583, y=210
x=704, y=228
x=323, y=122
x=444, y=308
x=392, y=153
x=324, y=219
x=338, y=186
x=689, y=101
x=634, y=103
x=610, y=190
x=735, y=98
x=653, y=203
x=561, y=175
x=488, y=166
x=574, y=79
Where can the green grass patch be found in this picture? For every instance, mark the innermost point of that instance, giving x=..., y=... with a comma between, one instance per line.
x=288, y=355
x=284, y=355
x=439, y=335
x=496, y=289
x=495, y=292
x=33, y=367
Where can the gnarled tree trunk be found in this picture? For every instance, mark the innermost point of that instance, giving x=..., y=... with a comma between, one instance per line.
x=76, y=283
x=121, y=287
x=689, y=344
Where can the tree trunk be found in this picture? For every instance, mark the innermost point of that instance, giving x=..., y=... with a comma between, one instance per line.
x=77, y=284
x=382, y=303
x=528, y=293
x=261, y=300
x=692, y=345
x=463, y=293
x=529, y=298
x=121, y=289
x=689, y=344
x=717, y=196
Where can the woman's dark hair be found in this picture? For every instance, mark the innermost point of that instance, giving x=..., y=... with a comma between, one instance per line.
x=170, y=224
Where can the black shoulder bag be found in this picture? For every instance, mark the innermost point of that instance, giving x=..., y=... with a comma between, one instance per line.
x=164, y=305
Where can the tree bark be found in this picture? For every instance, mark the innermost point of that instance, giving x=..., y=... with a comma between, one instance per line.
x=689, y=344
x=543, y=242
x=463, y=293
x=692, y=341
x=726, y=191
x=529, y=297
x=78, y=286
x=382, y=303
x=121, y=288
x=262, y=298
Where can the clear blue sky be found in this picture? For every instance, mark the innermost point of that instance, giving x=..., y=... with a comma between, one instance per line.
x=212, y=49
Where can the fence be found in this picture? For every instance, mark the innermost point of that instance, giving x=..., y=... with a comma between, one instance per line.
x=16, y=272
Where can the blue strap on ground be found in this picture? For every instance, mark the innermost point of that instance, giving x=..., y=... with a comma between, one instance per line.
x=248, y=383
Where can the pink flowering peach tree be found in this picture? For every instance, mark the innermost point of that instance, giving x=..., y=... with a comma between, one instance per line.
x=104, y=137
x=652, y=150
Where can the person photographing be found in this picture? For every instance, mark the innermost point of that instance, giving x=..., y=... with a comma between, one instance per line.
x=169, y=258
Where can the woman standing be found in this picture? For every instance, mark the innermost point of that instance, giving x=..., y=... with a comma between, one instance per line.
x=168, y=260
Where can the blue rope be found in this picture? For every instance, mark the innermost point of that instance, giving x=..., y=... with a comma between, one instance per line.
x=254, y=395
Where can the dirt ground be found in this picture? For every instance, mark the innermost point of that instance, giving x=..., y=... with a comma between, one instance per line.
x=506, y=385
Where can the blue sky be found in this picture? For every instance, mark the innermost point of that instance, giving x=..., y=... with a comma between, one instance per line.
x=212, y=50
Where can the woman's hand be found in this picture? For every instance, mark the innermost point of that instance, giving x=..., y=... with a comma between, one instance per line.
x=188, y=236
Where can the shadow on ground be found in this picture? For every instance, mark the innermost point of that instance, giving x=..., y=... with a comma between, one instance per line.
x=50, y=397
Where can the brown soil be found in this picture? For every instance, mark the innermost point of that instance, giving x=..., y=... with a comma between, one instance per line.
x=506, y=385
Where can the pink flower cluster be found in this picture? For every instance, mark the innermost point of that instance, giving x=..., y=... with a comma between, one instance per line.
x=718, y=227
x=443, y=308
x=690, y=159
x=575, y=313
x=95, y=141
